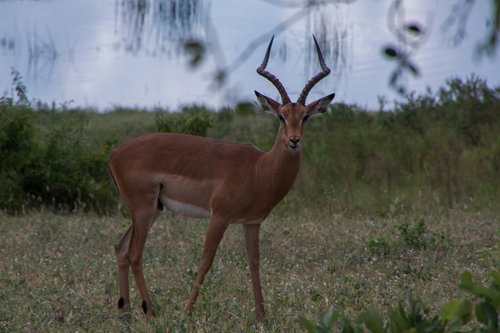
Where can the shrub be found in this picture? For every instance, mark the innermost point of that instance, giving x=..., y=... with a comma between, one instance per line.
x=439, y=150
x=479, y=314
x=71, y=174
x=18, y=151
x=61, y=170
x=195, y=121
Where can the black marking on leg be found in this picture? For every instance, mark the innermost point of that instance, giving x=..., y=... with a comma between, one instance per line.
x=121, y=303
x=145, y=307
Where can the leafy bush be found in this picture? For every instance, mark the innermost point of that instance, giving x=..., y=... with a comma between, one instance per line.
x=415, y=235
x=379, y=246
x=479, y=314
x=56, y=168
x=432, y=151
x=412, y=235
x=195, y=122
x=18, y=152
x=438, y=150
x=71, y=174
x=18, y=95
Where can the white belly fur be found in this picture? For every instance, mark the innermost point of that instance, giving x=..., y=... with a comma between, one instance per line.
x=242, y=221
x=181, y=208
x=185, y=209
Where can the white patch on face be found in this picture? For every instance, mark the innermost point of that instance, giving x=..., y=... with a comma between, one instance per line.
x=294, y=148
x=185, y=209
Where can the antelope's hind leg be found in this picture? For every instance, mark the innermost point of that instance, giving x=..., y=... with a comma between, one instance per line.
x=121, y=252
x=130, y=248
x=141, y=225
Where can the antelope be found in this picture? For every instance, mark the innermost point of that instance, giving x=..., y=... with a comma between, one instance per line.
x=230, y=183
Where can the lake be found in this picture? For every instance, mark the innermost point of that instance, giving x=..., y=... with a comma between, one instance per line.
x=150, y=53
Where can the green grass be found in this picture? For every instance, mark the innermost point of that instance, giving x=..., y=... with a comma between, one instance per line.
x=58, y=271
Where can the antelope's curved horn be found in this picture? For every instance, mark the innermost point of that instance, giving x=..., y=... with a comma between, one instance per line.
x=318, y=77
x=274, y=80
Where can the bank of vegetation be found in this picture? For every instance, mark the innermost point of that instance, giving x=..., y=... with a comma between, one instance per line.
x=439, y=150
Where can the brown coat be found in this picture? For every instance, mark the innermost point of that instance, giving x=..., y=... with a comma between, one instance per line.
x=237, y=181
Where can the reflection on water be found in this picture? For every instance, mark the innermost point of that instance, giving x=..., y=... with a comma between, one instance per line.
x=332, y=34
x=142, y=52
x=155, y=26
x=159, y=27
x=7, y=44
x=42, y=54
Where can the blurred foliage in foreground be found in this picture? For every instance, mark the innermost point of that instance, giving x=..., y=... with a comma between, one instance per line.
x=437, y=150
x=480, y=316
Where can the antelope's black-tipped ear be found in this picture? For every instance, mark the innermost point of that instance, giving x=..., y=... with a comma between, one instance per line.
x=319, y=106
x=268, y=104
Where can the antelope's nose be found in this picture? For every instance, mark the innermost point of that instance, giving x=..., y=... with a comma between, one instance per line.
x=295, y=139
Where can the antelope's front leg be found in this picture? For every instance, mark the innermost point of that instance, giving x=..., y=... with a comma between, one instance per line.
x=216, y=229
x=253, y=256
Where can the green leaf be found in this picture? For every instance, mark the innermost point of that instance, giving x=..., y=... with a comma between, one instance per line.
x=349, y=327
x=398, y=321
x=373, y=321
x=415, y=311
x=468, y=284
x=457, y=310
x=328, y=318
x=431, y=325
x=308, y=324
x=495, y=275
x=466, y=279
x=486, y=314
x=494, y=290
x=479, y=290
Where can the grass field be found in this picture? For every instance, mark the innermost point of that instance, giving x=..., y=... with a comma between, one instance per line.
x=385, y=204
x=58, y=271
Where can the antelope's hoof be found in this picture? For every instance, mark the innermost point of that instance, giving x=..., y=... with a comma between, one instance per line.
x=148, y=311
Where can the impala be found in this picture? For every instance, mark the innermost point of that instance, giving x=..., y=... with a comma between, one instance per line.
x=230, y=183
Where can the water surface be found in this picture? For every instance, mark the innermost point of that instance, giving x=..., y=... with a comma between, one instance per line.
x=106, y=53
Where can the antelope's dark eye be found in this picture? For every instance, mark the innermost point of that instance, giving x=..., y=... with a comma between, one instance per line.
x=281, y=118
x=306, y=117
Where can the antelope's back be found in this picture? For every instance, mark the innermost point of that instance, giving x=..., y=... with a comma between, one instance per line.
x=183, y=155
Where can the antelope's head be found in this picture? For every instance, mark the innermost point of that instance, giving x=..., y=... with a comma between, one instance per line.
x=293, y=116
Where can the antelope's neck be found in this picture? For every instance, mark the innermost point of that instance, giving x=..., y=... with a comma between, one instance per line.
x=279, y=167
